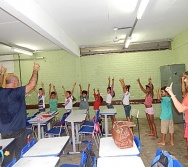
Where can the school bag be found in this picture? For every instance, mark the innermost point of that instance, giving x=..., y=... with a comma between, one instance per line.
x=164, y=159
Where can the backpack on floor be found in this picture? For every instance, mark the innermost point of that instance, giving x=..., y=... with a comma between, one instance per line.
x=164, y=159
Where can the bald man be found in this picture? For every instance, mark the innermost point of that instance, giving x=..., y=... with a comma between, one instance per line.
x=13, y=112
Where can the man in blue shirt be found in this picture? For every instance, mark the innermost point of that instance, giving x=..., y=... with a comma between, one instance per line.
x=13, y=111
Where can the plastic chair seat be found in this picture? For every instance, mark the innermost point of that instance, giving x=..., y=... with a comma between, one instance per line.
x=56, y=131
x=88, y=123
x=69, y=165
x=86, y=129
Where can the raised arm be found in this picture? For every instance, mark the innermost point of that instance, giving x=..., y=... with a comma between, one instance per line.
x=55, y=92
x=158, y=94
x=122, y=82
x=34, y=78
x=88, y=87
x=141, y=87
x=183, y=89
x=94, y=93
x=80, y=89
x=73, y=88
x=112, y=82
x=108, y=81
x=180, y=107
x=2, y=72
x=43, y=90
x=64, y=91
x=151, y=85
x=49, y=93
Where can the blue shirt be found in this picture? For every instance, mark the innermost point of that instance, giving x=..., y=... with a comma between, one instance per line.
x=166, y=109
x=84, y=104
x=12, y=109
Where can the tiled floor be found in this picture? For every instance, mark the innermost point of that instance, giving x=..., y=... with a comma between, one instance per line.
x=148, y=146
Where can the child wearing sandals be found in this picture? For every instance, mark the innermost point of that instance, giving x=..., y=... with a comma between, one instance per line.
x=166, y=117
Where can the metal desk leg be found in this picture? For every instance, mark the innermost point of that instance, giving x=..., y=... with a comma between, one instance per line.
x=39, y=133
x=106, y=125
x=73, y=140
x=42, y=131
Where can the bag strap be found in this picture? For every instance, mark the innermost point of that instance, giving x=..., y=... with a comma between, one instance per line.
x=2, y=155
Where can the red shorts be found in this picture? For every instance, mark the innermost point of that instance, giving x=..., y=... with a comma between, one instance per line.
x=186, y=131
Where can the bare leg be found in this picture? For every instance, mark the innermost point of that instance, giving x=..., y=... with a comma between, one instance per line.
x=113, y=119
x=149, y=123
x=171, y=142
x=162, y=142
x=128, y=119
x=151, y=117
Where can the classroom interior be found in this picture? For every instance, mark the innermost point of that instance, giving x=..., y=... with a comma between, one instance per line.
x=61, y=66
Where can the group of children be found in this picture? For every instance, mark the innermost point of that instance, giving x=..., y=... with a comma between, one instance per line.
x=166, y=110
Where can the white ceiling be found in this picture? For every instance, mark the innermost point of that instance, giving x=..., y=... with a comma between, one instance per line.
x=74, y=24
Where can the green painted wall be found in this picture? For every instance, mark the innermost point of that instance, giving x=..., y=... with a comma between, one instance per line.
x=61, y=68
x=180, y=48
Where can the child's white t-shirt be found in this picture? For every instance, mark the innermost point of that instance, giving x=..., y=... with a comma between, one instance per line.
x=109, y=98
x=41, y=101
x=125, y=98
x=68, y=103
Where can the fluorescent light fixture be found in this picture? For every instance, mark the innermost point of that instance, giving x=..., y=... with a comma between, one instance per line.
x=22, y=51
x=142, y=8
x=128, y=41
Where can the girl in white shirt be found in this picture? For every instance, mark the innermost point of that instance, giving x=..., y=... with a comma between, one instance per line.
x=68, y=98
x=109, y=96
x=125, y=99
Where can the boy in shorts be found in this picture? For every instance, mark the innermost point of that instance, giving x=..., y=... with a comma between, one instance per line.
x=166, y=117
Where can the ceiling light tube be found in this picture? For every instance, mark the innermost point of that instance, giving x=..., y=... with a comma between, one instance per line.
x=22, y=51
x=128, y=41
x=142, y=8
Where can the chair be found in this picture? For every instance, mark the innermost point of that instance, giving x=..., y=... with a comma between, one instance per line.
x=30, y=128
x=93, y=130
x=87, y=156
x=134, y=114
x=138, y=143
x=27, y=147
x=11, y=163
x=59, y=127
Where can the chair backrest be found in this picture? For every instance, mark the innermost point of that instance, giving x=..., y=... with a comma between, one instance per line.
x=138, y=143
x=64, y=117
x=27, y=147
x=11, y=163
x=135, y=112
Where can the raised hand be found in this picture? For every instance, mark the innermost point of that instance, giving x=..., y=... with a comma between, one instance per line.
x=36, y=66
x=169, y=89
x=54, y=87
x=109, y=78
x=138, y=80
x=149, y=79
x=3, y=69
x=50, y=85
